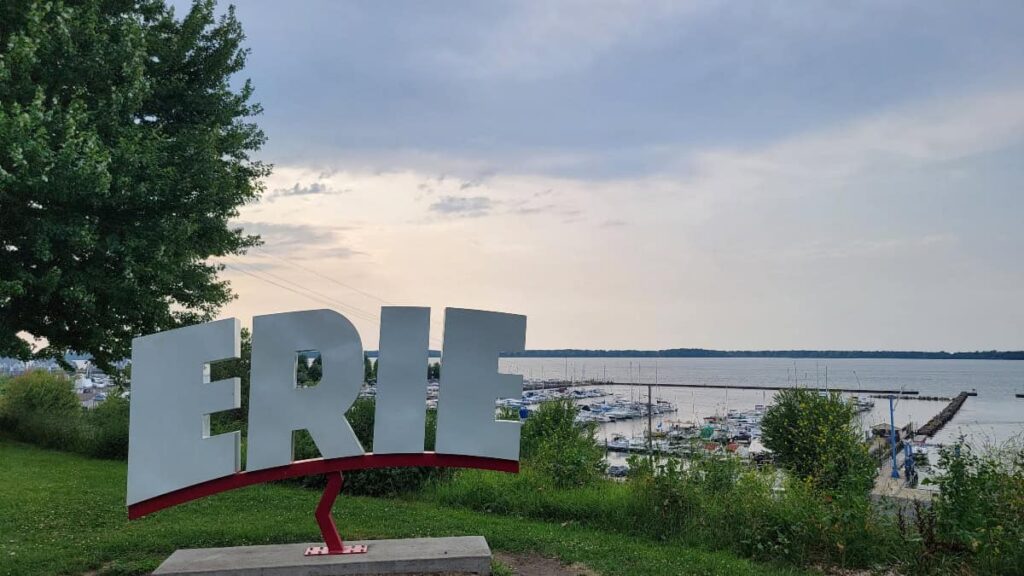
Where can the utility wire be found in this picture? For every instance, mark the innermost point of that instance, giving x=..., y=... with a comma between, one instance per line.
x=324, y=276
x=369, y=316
x=313, y=295
x=434, y=322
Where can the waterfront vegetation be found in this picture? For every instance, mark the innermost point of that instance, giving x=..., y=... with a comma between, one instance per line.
x=41, y=408
x=700, y=515
x=63, y=513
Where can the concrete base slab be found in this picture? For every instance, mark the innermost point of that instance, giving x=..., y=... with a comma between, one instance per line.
x=459, y=555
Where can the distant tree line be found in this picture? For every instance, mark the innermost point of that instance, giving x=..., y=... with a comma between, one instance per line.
x=704, y=353
x=370, y=368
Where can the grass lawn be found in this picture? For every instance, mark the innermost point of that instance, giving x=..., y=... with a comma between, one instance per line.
x=65, y=514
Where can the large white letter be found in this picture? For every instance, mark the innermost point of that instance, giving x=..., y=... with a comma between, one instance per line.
x=170, y=446
x=399, y=426
x=278, y=407
x=470, y=384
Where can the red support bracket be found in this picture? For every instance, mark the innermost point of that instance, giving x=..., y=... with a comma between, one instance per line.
x=332, y=540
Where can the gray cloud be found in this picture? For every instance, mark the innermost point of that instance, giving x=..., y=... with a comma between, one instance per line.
x=467, y=206
x=300, y=239
x=314, y=189
x=515, y=86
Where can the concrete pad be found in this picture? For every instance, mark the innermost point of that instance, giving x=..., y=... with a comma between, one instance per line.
x=464, y=554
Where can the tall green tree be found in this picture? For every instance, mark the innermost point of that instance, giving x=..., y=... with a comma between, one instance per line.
x=316, y=369
x=125, y=150
x=818, y=438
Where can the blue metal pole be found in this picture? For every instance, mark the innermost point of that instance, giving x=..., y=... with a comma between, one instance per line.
x=892, y=437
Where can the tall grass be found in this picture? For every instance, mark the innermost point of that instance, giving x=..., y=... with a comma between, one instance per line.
x=718, y=504
x=976, y=522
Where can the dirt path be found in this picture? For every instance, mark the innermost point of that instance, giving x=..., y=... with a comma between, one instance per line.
x=531, y=565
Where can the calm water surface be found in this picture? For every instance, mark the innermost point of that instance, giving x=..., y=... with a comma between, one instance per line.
x=994, y=416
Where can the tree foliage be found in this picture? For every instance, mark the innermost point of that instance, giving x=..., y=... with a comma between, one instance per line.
x=817, y=438
x=238, y=419
x=563, y=449
x=124, y=152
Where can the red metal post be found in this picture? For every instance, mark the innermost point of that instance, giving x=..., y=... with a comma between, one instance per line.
x=332, y=540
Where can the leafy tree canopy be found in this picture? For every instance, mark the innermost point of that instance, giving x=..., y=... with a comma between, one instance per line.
x=124, y=152
x=818, y=438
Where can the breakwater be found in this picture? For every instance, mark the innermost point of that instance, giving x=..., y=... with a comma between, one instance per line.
x=901, y=397
x=944, y=416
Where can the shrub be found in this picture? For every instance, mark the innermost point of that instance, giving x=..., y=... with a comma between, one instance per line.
x=106, y=428
x=719, y=502
x=554, y=443
x=41, y=408
x=38, y=392
x=818, y=438
x=377, y=482
x=976, y=522
x=530, y=494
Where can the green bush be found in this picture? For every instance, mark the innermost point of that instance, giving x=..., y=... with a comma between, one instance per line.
x=712, y=502
x=38, y=392
x=41, y=408
x=377, y=482
x=818, y=438
x=106, y=428
x=530, y=494
x=720, y=502
x=976, y=522
x=554, y=443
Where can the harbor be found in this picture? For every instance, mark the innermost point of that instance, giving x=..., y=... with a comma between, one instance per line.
x=549, y=384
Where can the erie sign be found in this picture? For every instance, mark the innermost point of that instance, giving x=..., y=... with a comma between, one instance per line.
x=173, y=458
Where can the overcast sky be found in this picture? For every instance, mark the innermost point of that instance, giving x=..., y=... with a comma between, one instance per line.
x=643, y=174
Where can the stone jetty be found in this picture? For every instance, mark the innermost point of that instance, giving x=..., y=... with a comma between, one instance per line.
x=943, y=417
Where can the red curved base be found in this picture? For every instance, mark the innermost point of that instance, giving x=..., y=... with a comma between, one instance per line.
x=313, y=468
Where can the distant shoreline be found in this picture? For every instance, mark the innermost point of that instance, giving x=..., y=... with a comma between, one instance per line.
x=705, y=353
x=794, y=354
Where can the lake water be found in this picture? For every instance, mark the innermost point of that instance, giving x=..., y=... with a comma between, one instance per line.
x=994, y=416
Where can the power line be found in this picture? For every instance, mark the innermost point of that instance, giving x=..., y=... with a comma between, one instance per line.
x=324, y=276
x=434, y=322
x=314, y=295
x=369, y=316
x=285, y=287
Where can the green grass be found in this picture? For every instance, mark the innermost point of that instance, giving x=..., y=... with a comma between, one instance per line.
x=64, y=514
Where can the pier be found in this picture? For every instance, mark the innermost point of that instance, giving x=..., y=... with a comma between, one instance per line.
x=566, y=384
x=943, y=417
x=902, y=397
